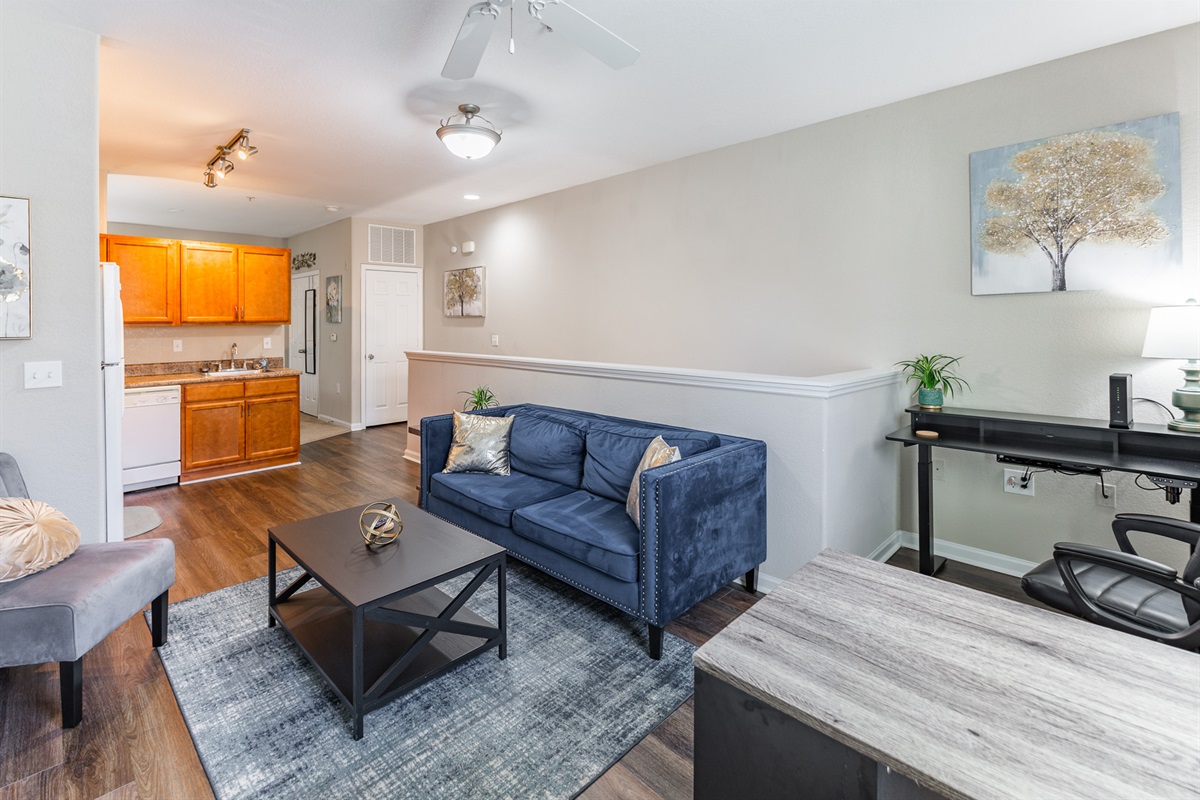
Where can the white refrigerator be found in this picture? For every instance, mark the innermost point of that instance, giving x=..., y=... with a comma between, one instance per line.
x=112, y=370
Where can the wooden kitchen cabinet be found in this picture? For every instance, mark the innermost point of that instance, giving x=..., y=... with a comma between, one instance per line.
x=208, y=276
x=149, y=277
x=174, y=282
x=236, y=426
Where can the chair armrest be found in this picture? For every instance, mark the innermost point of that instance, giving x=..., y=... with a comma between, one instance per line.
x=1187, y=532
x=1066, y=554
x=704, y=524
x=1125, y=562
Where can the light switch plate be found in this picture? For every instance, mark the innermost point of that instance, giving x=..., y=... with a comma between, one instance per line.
x=333, y=337
x=43, y=374
x=266, y=343
x=495, y=340
x=177, y=345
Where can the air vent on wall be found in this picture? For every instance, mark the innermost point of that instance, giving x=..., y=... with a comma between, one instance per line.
x=392, y=245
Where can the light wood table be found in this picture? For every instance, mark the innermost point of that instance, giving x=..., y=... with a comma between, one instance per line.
x=856, y=679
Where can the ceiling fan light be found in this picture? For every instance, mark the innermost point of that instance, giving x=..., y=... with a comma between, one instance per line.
x=468, y=141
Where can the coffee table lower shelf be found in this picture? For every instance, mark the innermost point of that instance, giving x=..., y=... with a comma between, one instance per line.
x=323, y=627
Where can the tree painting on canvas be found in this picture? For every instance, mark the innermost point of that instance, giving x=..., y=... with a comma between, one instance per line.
x=1099, y=209
x=15, y=303
x=464, y=292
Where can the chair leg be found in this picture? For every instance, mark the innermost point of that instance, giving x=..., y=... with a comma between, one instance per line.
x=70, y=683
x=656, y=641
x=750, y=581
x=158, y=619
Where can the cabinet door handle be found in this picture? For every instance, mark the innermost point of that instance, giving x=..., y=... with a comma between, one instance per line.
x=243, y=312
x=235, y=313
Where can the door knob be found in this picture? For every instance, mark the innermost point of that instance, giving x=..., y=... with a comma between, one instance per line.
x=302, y=350
x=370, y=357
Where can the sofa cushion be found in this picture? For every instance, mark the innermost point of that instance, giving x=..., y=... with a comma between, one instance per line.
x=613, y=453
x=545, y=448
x=658, y=453
x=479, y=444
x=493, y=497
x=587, y=528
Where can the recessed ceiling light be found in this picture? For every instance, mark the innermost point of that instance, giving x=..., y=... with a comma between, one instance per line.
x=175, y=210
x=331, y=209
x=470, y=197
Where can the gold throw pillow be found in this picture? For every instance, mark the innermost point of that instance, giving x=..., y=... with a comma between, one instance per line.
x=33, y=536
x=657, y=453
x=479, y=444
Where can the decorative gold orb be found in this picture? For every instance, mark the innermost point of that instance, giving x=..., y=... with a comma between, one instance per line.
x=380, y=523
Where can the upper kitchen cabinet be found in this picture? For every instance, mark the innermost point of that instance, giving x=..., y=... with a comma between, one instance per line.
x=149, y=277
x=210, y=288
x=266, y=284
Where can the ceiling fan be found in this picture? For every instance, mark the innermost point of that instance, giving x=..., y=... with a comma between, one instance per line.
x=554, y=15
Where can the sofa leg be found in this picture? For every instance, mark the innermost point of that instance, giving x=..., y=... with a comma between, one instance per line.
x=750, y=581
x=70, y=683
x=158, y=619
x=656, y=640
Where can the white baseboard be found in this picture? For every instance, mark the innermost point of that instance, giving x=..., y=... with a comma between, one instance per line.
x=413, y=455
x=355, y=426
x=954, y=551
x=767, y=582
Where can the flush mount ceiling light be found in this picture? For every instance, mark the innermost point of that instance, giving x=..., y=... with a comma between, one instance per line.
x=220, y=165
x=467, y=139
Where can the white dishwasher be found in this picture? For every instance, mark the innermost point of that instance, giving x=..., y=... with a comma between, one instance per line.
x=150, y=437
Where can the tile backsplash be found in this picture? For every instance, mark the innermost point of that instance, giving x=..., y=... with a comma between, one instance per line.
x=155, y=345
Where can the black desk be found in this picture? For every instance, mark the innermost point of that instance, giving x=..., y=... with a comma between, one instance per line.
x=1063, y=443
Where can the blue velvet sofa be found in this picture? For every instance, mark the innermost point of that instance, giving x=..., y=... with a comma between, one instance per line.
x=562, y=508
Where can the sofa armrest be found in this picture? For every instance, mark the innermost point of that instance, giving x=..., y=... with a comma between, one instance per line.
x=436, y=433
x=704, y=524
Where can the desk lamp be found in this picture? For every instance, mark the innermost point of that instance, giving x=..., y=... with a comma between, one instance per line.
x=1174, y=332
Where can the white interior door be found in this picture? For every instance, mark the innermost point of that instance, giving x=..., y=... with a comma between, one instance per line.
x=391, y=303
x=302, y=338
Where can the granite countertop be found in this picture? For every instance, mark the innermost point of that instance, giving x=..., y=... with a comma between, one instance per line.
x=181, y=372
x=180, y=378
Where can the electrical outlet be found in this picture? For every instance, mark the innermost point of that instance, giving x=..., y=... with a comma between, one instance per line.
x=1106, y=489
x=939, y=469
x=177, y=345
x=495, y=340
x=1014, y=482
x=337, y=388
x=266, y=343
x=333, y=337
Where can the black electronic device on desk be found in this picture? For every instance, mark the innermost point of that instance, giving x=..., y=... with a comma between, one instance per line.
x=1168, y=458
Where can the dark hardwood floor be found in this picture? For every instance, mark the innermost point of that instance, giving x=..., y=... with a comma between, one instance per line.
x=133, y=742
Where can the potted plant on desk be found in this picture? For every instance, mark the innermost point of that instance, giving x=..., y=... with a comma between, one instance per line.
x=934, y=378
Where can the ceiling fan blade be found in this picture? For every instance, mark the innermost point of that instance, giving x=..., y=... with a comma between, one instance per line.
x=471, y=41
x=587, y=33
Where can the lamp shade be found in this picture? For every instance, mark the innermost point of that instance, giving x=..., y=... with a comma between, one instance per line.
x=1173, y=332
x=468, y=141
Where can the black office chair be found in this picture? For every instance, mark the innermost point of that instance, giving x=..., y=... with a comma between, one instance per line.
x=1122, y=590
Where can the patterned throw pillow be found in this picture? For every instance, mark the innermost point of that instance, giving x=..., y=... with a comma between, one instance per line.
x=658, y=452
x=479, y=444
x=33, y=536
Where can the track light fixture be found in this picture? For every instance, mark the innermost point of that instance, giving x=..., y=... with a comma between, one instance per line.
x=220, y=165
x=467, y=139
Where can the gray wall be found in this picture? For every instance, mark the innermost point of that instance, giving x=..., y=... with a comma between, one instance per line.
x=845, y=245
x=48, y=154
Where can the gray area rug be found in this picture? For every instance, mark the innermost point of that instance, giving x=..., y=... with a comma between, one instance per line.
x=575, y=693
x=140, y=519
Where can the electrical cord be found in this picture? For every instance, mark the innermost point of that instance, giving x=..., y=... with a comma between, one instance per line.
x=1137, y=481
x=1170, y=413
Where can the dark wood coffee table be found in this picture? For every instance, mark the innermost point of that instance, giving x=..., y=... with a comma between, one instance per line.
x=377, y=625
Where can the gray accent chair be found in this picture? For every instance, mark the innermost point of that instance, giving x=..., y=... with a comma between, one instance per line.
x=60, y=613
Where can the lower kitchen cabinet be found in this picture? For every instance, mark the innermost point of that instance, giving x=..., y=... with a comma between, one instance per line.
x=236, y=426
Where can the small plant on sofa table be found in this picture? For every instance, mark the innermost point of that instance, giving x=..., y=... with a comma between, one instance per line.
x=479, y=398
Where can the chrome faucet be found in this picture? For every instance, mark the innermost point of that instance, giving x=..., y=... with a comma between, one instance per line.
x=232, y=355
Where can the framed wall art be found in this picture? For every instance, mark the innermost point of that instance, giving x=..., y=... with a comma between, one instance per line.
x=333, y=298
x=15, y=303
x=463, y=292
x=1097, y=209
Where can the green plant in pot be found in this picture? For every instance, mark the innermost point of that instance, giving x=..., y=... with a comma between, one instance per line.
x=479, y=398
x=934, y=378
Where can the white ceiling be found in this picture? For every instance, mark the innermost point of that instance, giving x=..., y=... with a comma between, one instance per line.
x=343, y=97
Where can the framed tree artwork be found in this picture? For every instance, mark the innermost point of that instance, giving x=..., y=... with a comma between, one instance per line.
x=1098, y=209
x=463, y=292
x=15, y=304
